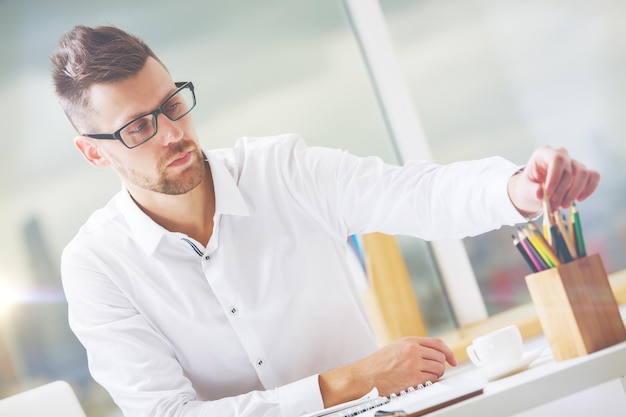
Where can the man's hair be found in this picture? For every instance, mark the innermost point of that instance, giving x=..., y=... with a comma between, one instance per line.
x=88, y=56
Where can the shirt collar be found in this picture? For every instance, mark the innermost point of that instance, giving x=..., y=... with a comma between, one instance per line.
x=228, y=200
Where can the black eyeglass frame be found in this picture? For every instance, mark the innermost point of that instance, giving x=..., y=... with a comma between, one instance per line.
x=155, y=113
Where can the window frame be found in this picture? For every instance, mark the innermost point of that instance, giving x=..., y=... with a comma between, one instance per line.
x=369, y=26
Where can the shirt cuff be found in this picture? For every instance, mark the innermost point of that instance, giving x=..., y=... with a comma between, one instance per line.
x=301, y=397
x=506, y=207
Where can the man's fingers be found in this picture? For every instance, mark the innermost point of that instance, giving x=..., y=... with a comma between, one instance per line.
x=439, y=346
x=434, y=368
x=563, y=179
x=560, y=187
x=593, y=180
x=578, y=183
x=551, y=164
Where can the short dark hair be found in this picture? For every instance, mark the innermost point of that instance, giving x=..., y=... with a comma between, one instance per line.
x=88, y=56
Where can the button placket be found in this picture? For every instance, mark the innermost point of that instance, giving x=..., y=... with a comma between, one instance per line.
x=236, y=314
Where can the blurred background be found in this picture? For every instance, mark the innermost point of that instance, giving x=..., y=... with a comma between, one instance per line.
x=486, y=77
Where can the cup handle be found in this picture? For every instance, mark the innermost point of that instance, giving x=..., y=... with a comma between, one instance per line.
x=471, y=352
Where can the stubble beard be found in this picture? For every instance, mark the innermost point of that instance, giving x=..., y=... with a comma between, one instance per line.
x=169, y=183
x=185, y=181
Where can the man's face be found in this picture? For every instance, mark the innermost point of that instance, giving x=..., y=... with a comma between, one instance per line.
x=171, y=162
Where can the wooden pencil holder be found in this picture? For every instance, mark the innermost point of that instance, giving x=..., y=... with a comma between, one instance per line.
x=576, y=307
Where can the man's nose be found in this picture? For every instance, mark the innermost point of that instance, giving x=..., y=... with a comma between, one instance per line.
x=170, y=131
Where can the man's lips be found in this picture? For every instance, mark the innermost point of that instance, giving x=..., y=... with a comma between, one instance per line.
x=181, y=159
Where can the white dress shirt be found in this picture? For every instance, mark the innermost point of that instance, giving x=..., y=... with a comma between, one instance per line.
x=243, y=326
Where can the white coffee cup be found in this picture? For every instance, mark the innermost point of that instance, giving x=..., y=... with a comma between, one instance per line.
x=497, y=348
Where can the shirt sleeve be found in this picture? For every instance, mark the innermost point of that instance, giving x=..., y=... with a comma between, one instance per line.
x=420, y=198
x=137, y=365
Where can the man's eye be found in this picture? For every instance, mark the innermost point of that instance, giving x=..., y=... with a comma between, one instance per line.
x=138, y=127
x=173, y=108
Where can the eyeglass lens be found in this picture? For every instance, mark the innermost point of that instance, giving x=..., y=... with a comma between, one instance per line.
x=143, y=128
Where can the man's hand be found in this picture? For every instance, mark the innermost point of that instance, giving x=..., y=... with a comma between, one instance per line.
x=407, y=362
x=565, y=180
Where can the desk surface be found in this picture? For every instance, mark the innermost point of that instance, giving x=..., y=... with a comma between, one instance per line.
x=544, y=381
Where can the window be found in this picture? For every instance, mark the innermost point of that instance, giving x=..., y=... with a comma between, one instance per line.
x=485, y=78
x=504, y=77
x=265, y=68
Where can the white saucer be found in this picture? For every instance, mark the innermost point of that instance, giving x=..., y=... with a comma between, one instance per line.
x=492, y=373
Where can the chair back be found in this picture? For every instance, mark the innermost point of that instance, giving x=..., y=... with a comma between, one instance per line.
x=56, y=399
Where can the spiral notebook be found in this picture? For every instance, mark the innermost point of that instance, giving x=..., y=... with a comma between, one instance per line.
x=415, y=401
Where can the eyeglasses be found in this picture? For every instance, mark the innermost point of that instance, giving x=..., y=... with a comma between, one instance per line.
x=143, y=128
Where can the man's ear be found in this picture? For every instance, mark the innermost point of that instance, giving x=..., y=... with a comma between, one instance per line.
x=90, y=151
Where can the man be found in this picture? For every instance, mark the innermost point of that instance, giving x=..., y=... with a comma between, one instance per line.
x=217, y=282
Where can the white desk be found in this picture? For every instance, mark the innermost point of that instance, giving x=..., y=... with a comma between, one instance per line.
x=543, y=382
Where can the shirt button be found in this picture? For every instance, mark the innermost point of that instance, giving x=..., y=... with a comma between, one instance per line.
x=207, y=257
x=259, y=362
x=233, y=310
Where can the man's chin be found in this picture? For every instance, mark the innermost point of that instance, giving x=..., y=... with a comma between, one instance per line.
x=185, y=181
